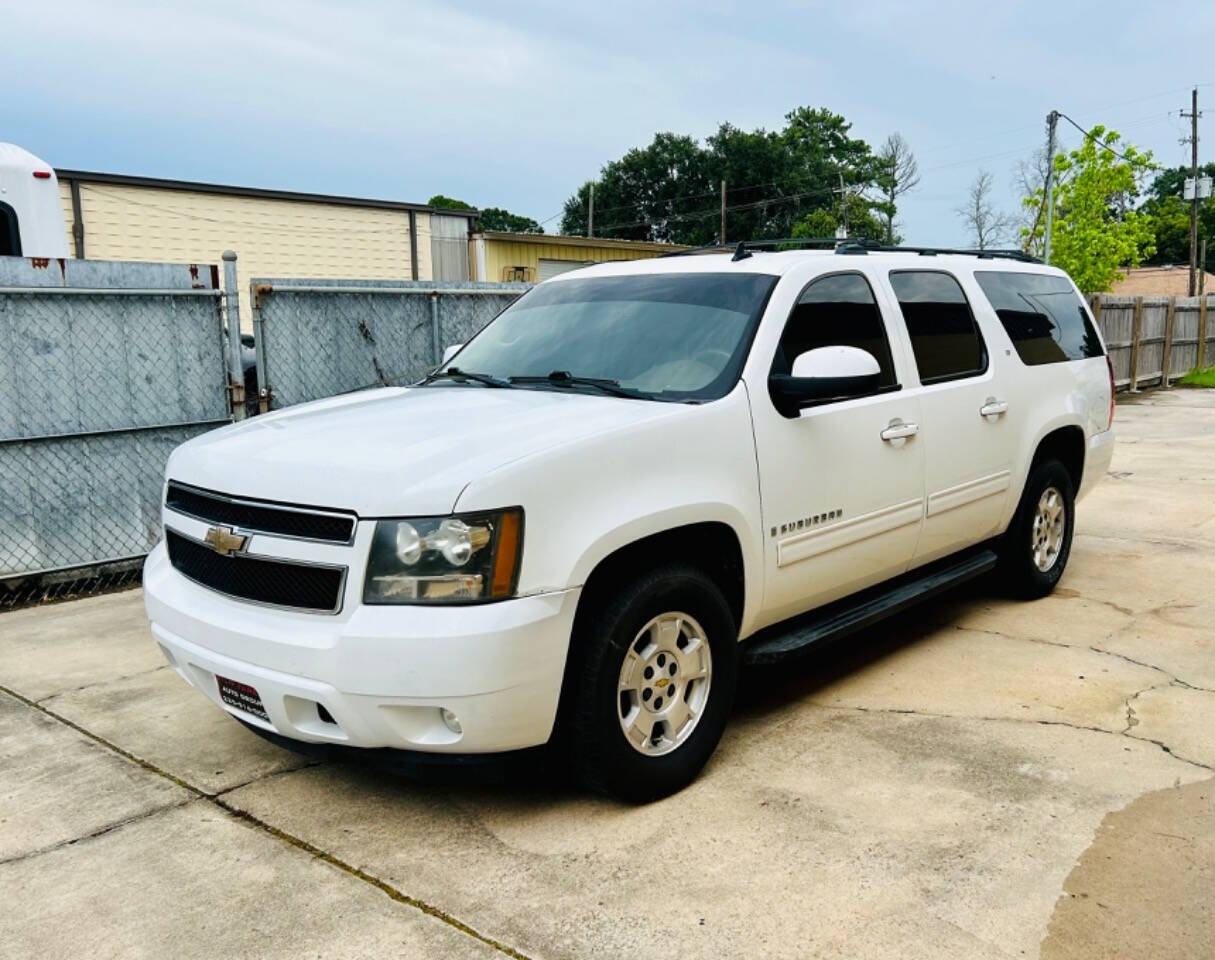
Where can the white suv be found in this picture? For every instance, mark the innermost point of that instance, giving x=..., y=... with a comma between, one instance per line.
x=637, y=477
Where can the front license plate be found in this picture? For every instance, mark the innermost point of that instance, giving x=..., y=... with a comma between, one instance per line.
x=242, y=697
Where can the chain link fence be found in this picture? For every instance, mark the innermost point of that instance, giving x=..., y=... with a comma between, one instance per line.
x=106, y=368
x=319, y=338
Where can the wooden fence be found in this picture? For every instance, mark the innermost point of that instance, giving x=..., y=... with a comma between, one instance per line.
x=1153, y=340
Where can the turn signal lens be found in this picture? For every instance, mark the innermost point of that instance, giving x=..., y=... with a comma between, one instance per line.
x=506, y=557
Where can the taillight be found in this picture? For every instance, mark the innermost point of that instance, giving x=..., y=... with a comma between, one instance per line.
x=1109, y=365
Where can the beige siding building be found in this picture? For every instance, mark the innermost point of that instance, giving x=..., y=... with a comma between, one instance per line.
x=532, y=257
x=286, y=235
x=274, y=233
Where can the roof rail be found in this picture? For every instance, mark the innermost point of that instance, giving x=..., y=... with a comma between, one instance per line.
x=851, y=246
x=1018, y=255
x=742, y=248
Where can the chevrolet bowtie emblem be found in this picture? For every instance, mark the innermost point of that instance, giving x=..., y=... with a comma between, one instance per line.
x=224, y=542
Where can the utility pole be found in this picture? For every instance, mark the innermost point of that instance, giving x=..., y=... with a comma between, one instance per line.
x=1202, y=268
x=843, y=192
x=1193, y=138
x=1052, y=121
x=722, y=238
x=590, y=214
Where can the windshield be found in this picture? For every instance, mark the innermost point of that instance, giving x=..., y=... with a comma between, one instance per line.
x=665, y=336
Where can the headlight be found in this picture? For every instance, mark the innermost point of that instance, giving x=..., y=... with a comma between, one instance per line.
x=461, y=559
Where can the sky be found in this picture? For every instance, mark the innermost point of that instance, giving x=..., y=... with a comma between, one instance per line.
x=515, y=105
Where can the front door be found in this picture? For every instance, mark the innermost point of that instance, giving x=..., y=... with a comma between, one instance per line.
x=842, y=483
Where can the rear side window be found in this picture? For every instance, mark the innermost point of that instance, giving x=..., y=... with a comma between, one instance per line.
x=10, y=238
x=944, y=336
x=837, y=310
x=1044, y=318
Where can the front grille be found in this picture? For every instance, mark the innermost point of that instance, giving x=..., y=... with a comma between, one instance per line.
x=282, y=583
x=305, y=523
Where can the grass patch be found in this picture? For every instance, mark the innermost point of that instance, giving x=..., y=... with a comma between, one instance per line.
x=1199, y=378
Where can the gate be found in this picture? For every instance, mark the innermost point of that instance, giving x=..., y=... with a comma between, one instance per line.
x=106, y=368
x=319, y=338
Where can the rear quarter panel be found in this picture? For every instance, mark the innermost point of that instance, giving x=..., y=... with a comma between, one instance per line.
x=1041, y=398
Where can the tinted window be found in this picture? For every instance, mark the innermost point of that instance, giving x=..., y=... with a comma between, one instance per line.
x=10, y=239
x=944, y=337
x=669, y=336
x=836, y=311
x=1044, y=317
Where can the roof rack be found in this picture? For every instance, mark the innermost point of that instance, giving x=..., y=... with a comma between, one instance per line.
x=1018, y=255
x=742, y=248
x=851, y=246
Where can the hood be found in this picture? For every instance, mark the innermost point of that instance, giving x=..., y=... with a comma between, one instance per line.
x=393, y=451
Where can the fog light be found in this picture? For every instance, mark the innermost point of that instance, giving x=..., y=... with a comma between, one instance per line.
x=452, y=721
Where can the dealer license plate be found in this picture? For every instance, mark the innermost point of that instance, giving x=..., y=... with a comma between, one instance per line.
x=242, y=697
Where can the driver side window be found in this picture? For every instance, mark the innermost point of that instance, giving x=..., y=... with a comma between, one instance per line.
x=837, y=310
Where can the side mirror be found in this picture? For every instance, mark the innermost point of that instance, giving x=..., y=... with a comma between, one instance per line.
x=450, y=352
x=827, y=373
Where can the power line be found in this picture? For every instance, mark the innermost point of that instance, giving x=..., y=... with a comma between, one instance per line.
x=1090, y=136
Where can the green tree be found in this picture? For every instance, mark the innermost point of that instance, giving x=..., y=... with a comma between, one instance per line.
x=448, y=203
x=657, y=192
x=670, y=189
x=863, y=221
x=1171, y=215
x=491, y=218
x=495, y=218
x=1096, y=232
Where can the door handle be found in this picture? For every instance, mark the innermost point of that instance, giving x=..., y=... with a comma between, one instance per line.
x=899, y=431
x=993, y=407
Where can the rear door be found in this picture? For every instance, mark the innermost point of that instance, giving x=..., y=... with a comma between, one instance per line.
x=968, y=446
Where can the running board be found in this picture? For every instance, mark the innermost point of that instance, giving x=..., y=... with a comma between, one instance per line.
x=793, y=638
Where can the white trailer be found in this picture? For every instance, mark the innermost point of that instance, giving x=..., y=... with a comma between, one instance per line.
x=31, y=215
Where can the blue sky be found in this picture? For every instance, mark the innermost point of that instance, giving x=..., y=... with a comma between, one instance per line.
x=516, y=104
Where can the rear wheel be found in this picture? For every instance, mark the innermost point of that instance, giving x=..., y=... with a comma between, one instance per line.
x=653, y=682
x=1035, y=550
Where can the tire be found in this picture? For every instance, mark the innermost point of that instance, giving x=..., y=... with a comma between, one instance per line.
x=1034, y=550
x=674, y=623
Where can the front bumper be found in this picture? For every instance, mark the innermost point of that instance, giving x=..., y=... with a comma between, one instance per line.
x=384, y=674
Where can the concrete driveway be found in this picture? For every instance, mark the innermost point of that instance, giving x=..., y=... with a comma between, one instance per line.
x=984, y=779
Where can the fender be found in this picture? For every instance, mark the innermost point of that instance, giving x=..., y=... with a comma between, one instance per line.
x=749, y=541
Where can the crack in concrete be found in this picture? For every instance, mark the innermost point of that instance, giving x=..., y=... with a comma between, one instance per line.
x=99, y=683
x=218, y=801
x=1093, y=648
x=907, y=711
x=99, y=832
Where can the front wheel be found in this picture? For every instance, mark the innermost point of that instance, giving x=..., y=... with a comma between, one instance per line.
x=1034, y=551
x=653, y=682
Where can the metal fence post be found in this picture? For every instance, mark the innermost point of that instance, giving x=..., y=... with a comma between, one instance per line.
x=1136, y=335
x=236, y=369
x=435, y=351
x=256, y=292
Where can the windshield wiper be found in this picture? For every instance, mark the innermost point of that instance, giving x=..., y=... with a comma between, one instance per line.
x=455, y=373
x=563, y=378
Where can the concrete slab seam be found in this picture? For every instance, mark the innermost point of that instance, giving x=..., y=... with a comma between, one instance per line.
x=283, y=836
